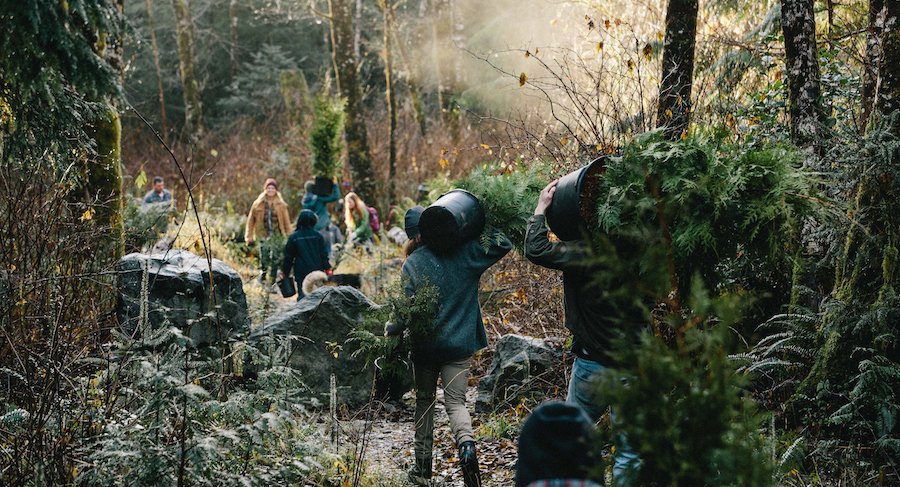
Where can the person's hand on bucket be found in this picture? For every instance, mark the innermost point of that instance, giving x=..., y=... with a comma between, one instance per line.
x=546, y=198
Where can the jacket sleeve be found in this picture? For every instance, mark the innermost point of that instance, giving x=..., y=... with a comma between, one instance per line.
x=334, y=196
x=554, y=255
x=290, y=254
x=362, y=230
x=284, y=220
x=481, y=259
x=250, y=230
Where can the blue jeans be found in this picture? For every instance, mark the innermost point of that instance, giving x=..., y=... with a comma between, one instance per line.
x=583, y=393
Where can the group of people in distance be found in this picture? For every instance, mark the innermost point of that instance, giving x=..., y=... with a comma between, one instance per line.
x=553, y=444
x=308, y=248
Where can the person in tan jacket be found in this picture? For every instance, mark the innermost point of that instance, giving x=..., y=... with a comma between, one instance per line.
x=270, y=222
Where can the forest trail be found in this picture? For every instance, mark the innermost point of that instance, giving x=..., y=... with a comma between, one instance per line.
x=388, y=444
x=388, y=435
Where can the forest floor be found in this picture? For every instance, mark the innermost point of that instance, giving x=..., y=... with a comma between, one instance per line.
x=516, y=297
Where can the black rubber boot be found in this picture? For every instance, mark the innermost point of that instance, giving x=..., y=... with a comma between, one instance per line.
x=420, y=473
x=468, y=462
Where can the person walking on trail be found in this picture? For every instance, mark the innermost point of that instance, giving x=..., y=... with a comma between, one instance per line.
x=159, y=193
x=305, y=251
x=587, y=316
x=270, y=222
x=555, y=447
x=356, y=216
x=319, y=205
x=447, y=352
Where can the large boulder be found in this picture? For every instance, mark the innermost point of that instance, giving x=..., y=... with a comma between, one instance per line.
x=178, y=292
x=518, y=362
x=322, y=322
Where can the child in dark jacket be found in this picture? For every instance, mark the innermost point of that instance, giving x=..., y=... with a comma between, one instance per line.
x=458, y=334
x=305, y=251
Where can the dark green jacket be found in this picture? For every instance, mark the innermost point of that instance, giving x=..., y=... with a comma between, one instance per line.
x=588, y=314
x=459, y=328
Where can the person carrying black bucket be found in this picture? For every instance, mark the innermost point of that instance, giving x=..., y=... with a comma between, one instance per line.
x=458, y=334
x=587, y=315
x=305, y=251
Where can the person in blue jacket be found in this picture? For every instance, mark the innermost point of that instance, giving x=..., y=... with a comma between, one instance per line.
x=458, y=333
x=304, y=251
x=319, y=205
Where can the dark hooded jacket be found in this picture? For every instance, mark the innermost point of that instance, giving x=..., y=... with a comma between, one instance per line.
x=305, y=250
x=589, y=314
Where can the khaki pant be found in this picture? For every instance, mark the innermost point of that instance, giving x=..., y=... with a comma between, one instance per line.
x=455, y=377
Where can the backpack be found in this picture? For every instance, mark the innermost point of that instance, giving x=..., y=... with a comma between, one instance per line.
x=374, y=223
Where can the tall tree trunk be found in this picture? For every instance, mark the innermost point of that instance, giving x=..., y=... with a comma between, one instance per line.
x=440, y=36
x=193, y=111
x=674, y=108
x=390, y=97
x=802, y=62
x=102, y=186
x=344, y=61
x=357, y=30
x=233, y=27
x=151, y=24
x=411, y=84
x=887, y=98
x=873, y=59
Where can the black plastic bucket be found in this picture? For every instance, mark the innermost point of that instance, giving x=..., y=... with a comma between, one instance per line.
x=574, y=202
x=453, y=219
x=323, y=186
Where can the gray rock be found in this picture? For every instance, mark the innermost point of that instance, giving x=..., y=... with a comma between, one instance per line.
x=178, y=290
x=518, y=361
x=323, y=320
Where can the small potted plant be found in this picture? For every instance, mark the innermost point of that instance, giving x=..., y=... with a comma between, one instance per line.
x=325, y=142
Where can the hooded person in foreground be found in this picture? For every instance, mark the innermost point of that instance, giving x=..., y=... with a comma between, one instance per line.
x=446, y=353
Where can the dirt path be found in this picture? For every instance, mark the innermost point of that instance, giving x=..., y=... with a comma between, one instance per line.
x=389, y=451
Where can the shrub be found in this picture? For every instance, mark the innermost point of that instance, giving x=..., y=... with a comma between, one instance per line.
x=509, y=195
x=145, y=224
x=165, y=415
x=390, y=354
x=682, y=409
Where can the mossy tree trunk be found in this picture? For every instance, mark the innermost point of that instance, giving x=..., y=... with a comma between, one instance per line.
x=345, y=68
x=802, y=65
x=103, y=186
x=674, y=107
x=102, y=173
x=866, y=279
x=193, y=110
